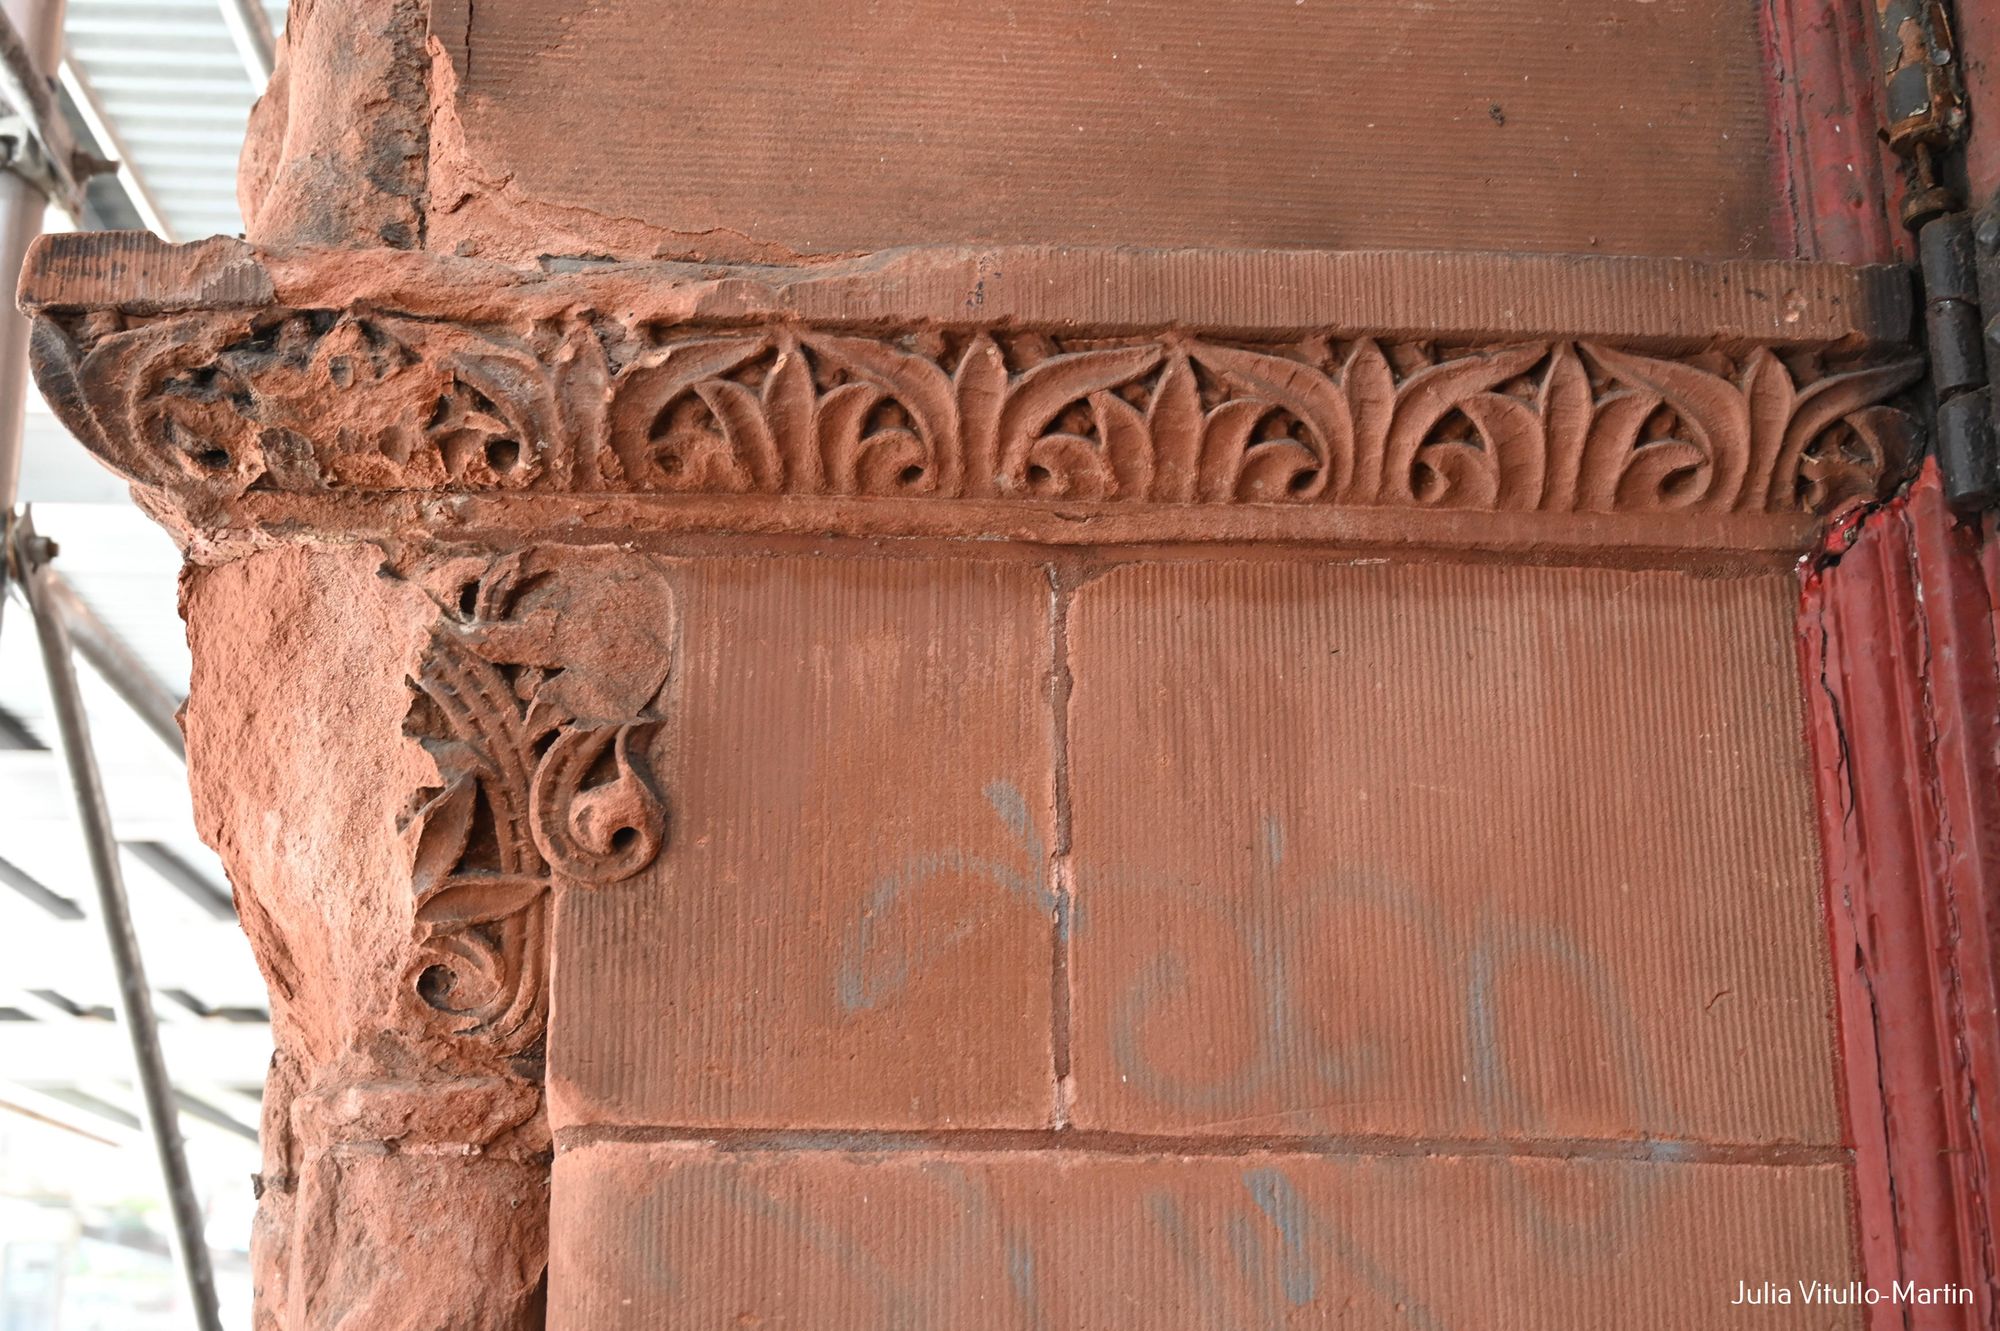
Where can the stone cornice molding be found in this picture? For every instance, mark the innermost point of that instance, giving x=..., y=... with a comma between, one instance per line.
x=1154, y=395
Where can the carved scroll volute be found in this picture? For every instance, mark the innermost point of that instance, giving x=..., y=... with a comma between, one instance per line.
x=155, y=402
x=600, y=832
x=537, y=698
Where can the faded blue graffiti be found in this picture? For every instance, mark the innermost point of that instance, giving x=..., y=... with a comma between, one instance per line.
x=1281, y=1042
x=1297, y=1225
x=879, y=959
x=898, y=1299
x=1471, y=958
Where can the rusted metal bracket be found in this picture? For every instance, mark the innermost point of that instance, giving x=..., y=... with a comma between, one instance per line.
x=27, y=156
x=1924, y=99
x=1958, y=254
x=1985, y=328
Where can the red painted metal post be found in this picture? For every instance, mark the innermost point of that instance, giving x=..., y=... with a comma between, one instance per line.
x=1900, y=642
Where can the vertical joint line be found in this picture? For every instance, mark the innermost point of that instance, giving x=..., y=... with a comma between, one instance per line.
x=1062, y=882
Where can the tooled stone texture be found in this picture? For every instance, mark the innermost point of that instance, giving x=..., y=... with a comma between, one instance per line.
x=215, y=403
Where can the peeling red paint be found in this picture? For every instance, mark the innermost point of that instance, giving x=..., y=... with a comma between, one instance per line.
x=1837, y=186
x=1900, y=642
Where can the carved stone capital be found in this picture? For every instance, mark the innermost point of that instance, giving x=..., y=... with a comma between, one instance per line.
x=1541, y=388
x=539, y=738
x=472, y=738
x=456, y=487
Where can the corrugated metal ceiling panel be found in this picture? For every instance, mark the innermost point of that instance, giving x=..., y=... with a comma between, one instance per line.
x=172, y=83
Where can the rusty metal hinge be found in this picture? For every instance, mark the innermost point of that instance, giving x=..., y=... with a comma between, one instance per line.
x=1958, y=253
x=1959, y=264
x=1924, y=99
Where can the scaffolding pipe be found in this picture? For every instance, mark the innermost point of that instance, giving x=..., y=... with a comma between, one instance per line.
x=90, y=110
x=250, y=29
x=112, y=660
x=29, y=555
x=39, y=24
x=118, y=665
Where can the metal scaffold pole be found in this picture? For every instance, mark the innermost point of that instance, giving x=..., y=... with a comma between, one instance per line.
x=29, y=555
x=40, y=167
x=33, y=37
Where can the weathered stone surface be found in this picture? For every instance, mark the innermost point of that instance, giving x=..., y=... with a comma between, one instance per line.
x=378, y=1127
x=824, y=1238
x=300, y=662
x=338, y=149
x=399, y=765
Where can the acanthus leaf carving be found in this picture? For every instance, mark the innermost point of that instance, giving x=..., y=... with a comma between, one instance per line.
x=542, y=785
x=221, y=403
x=1051, y=427
x=1283, y=433
x=1673, y=434
x=1455, y=440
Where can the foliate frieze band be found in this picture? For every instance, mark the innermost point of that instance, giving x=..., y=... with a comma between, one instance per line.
x=219, y=402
